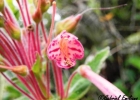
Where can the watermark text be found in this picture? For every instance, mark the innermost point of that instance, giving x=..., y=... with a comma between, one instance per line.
x=120, y=97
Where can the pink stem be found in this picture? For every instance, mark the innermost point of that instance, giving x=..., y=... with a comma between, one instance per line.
x=9, y=15
x=38, y=90
x=52, y=22
x=30, y=53
x=38, y=39
x=69, y=82
x=61, y=83
x=30, y=35
x=17, y=46
x=7, y=56
x=33, y=80
x=31, y=47
x=19, y=51
x=24, y=54
x=6, y=67
x=29, y=22
x=56, y=78
x=4, y=14
x=59, y=80
x=33, y=40
x=22, y=13
x=44, y=32
x=20, y=48
x=6, y=62
x=10, y=47
x=27, y=12
x=35, y=88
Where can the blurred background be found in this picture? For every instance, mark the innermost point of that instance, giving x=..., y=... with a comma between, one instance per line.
x=117, y=28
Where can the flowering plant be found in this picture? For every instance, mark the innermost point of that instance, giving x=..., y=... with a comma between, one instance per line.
x=30, y=57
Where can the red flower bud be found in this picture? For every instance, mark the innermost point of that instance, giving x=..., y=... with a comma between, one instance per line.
x=37, y=16
x=41, y=7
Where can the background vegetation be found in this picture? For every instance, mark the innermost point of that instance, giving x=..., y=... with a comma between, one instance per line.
x=117, y=28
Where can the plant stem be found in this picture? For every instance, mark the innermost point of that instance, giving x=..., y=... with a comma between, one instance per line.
x=22, y=13
x=55, y=78
x=69, y=82
x=48, y=79
x=44, y=32
x=38, y=39
x=58, y=80
x=52, y=22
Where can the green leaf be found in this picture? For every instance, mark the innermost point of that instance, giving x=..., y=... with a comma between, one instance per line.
x=136, y=90
x=22, y=98
x=130, y=75
x=37, y=66
x=80, y=85
x=137, y=4
x=12, y=92
x=134, y=38
x=12, y=5
x=133, y=60
x=120, y=84
x=100, y=57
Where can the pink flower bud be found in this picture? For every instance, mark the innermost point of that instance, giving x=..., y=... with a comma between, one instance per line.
x=102, y=84
x=21, y=70
x=69, y=24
